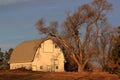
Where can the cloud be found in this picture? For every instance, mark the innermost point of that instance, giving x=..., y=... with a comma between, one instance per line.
x=8, y=2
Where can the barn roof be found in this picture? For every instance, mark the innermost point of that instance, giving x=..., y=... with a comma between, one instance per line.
x=25, y=51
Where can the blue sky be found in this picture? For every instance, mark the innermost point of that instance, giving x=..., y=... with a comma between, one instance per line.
x=17, y=17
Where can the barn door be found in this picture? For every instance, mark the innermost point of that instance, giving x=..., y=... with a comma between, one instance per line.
x=49, y=68
x=55, y=65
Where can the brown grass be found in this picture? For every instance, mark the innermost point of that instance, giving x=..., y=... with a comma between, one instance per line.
x=30, y=75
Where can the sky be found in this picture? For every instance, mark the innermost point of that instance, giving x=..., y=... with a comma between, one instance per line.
x=18, y=17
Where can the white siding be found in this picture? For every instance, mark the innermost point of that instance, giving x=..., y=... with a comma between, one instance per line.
x=45, y=60
x=26, y=65
x=48, y=46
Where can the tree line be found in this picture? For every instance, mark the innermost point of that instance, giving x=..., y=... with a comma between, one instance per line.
x=4, y=59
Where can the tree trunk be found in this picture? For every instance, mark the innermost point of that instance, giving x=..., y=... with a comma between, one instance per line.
x=80, y=68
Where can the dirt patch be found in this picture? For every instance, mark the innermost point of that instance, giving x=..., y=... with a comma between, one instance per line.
x=30, y=75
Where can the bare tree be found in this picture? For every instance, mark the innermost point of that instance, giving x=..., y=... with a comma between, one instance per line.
x=80, y=45
x=105, y=46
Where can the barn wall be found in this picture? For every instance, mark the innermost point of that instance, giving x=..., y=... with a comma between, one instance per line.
x=49, y=57
x=26, y=65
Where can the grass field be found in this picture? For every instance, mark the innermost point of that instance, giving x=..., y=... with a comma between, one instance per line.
x=30, y=75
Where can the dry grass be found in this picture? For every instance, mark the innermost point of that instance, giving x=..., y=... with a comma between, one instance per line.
x=29, y=75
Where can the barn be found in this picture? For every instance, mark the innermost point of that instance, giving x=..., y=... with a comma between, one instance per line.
x=38, y=55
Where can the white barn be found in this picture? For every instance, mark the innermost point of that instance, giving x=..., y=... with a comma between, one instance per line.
x=38, y=55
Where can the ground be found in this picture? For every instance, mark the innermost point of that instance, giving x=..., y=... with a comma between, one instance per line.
x=30, y=75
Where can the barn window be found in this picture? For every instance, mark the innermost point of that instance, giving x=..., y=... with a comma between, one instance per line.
x=56, y=67
x=41, y=67
x=56, y=46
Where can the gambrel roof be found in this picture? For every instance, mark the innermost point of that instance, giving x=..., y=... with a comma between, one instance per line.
x=26, y=51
